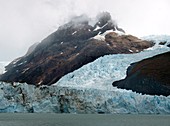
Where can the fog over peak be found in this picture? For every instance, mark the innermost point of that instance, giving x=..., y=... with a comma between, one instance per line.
x=100, y=20
x=24, y=22
x=80, y=18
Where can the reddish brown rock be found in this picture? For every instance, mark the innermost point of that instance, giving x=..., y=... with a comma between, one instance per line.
x=124, y=42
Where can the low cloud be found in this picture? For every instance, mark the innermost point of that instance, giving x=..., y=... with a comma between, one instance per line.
x=24, y=22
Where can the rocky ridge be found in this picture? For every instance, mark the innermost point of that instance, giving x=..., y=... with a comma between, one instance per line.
x=69, y=48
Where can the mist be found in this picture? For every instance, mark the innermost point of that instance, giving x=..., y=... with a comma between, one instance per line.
x=24, y=22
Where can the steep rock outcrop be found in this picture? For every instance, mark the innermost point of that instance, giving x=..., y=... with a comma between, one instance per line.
x=69, y=48
x=149, y=76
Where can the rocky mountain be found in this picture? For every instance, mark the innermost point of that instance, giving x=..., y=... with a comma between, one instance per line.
x=89, y=89
x=149, y=76
x=73, y=45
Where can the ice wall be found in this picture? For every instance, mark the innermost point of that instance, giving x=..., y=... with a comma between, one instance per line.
x=56, y=99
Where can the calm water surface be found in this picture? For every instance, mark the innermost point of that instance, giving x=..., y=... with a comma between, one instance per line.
x=83, y=120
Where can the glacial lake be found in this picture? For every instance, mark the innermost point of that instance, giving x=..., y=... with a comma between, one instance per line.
x=48, y=119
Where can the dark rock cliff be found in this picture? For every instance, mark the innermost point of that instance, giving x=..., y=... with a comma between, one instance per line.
x=149, y=76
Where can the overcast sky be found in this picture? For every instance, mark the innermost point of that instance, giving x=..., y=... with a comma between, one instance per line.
x=24, y=22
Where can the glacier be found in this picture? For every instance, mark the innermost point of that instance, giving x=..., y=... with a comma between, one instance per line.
x=56, y=99
x=102, y=72
x=89, y=89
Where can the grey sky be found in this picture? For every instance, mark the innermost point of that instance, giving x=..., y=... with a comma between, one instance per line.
x=24, y=22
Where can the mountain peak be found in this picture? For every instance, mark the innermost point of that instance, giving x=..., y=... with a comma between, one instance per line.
x=73, y=45
x=102, y=20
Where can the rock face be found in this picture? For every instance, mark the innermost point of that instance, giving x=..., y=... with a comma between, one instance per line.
x=69, y=48
x=149, y=76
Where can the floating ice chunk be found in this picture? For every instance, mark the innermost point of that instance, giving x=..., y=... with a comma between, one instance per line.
x=61, y=43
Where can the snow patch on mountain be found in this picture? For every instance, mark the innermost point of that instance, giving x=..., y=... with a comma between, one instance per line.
x=97, y=28
x=100, y=36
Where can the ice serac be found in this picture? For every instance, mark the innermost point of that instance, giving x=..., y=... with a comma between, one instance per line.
x=149, y=76
x=55, y=99
x=69, y=48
